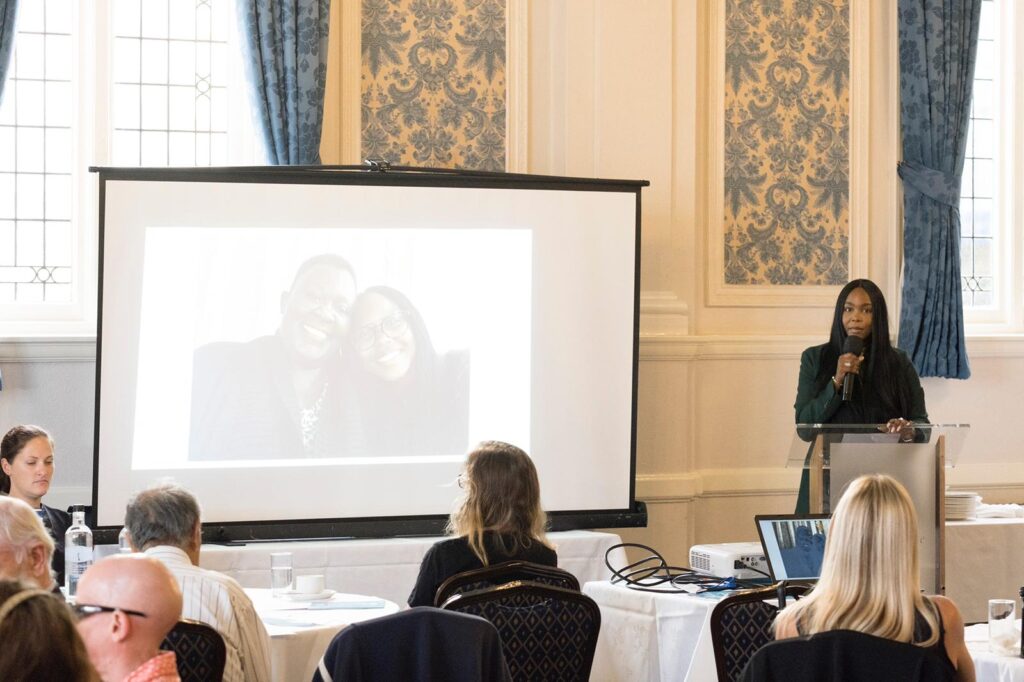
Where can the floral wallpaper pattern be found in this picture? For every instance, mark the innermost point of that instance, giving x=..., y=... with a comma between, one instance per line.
x=787, y=129
x=433, y=82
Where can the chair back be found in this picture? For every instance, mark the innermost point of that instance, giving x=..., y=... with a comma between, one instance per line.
x=418, y=645
x=199, y=650
x=742, y=623
x=547, y=633
x=499, y=574
x=846, y=656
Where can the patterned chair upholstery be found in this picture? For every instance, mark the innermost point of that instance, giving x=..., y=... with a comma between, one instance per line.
x=499, y=574
x=742, y=623
x=199, y=650
x=547, y=633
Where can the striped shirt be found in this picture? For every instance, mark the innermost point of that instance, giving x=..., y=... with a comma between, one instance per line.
x=219, y=601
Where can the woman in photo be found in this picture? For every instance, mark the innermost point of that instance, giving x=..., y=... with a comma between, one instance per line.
x=413, y=400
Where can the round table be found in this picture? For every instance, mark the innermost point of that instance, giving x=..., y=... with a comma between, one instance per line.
x=300, y=630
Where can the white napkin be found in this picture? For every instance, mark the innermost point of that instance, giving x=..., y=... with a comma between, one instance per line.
x=999, y=511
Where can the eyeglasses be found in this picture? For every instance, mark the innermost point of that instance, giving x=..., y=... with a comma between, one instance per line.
x=82, y=611
x=392, y=326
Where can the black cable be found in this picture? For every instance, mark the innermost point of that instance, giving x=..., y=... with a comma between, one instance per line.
x=654, y=574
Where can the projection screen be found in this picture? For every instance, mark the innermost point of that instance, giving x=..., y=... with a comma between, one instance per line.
x=324, y=346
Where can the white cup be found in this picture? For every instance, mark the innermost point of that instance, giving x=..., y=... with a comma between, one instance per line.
x=309, y=584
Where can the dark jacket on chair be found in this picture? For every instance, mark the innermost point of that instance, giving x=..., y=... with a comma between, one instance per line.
x=423, y=643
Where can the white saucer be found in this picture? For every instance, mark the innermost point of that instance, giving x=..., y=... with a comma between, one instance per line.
x=308, y=596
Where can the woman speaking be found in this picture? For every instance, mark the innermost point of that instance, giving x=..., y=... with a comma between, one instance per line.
x=858, y=377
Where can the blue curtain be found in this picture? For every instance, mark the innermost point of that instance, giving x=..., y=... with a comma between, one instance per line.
x=938, y=46
x=8, y=12
x=285, y=44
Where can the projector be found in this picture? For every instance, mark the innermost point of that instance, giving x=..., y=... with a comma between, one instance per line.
x=726, y=559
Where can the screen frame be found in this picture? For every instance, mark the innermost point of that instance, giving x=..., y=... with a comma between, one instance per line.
x=634, y=515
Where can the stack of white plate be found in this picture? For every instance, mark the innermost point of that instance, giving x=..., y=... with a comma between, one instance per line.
x=961, y=505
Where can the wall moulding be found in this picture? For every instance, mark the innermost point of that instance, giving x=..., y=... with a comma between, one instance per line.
x=712, y=157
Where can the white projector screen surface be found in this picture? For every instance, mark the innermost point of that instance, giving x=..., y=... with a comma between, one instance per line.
x=293, y=351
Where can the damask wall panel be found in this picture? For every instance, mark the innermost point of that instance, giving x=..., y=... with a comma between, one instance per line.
x=433, y=82
x=787, y=130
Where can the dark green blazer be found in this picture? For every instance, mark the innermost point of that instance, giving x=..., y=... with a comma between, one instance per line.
x=816, y=404
x=819, y=404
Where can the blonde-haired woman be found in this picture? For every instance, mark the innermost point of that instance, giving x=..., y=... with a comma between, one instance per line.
x=499, y=518
x=870, y=580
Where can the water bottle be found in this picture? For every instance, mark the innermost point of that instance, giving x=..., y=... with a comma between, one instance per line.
x=124, y=545
x=77, y=552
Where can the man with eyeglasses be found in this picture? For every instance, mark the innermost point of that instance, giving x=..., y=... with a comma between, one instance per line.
x=126, y=605
x=282, y=395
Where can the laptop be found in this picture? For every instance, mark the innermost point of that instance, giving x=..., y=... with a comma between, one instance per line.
x=794, y=544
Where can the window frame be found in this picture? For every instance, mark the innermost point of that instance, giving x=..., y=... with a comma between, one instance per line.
x=92, y=93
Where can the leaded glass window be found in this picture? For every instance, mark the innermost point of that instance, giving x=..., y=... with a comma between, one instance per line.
x=979, y=190
x=36, y=157
x=170, y=80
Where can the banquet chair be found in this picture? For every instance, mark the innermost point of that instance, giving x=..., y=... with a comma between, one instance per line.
x=499, y=574
x=742, y=623
x=547, y=633
x=199, y=650
x=421, y=644
x=845, y=656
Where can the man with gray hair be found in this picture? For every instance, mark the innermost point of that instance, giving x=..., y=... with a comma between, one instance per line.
x=25, y=546
x=163, y=523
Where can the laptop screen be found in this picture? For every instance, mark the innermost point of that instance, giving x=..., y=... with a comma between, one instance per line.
x=794, y=544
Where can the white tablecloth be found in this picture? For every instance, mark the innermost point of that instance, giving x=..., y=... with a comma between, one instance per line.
x=299, y=636
x=983, y=561
x=648, y=637
x=387, y=567
x=990, y=666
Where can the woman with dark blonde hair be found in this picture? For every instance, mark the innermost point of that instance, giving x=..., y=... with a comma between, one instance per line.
x=870, y=579
x=39, y=638
x=499, y=518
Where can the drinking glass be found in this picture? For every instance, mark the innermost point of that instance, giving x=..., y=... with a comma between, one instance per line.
x=280, y=572
x=1003, y=635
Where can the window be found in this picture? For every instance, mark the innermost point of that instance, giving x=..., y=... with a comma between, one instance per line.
x=36, y=156
x=990, y=203
x=115, y=82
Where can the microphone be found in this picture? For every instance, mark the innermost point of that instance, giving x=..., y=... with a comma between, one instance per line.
x=855, y=345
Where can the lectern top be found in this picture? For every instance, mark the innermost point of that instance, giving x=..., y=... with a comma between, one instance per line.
x=833, y=438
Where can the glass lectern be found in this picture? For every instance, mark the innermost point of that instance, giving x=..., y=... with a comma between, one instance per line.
x=835, y=454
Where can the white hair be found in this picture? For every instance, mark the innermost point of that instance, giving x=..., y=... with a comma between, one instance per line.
x=21, y=529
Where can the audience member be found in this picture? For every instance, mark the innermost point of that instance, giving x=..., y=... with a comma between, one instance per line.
x=163, y=523
x=25, y=546
x=126, y=605
x=498, y=519
x=26, y=460
x=39, y=638
x=870, y=579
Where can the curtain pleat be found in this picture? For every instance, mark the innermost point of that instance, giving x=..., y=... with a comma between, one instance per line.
x=285, y=43
x=938, y=47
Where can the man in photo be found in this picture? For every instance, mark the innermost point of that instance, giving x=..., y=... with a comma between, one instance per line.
x=285, y=395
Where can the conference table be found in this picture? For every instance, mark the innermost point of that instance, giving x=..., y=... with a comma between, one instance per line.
x=647, y=637
x=387, y=567
x=301, y=630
